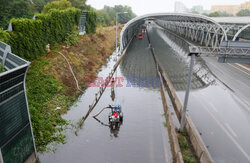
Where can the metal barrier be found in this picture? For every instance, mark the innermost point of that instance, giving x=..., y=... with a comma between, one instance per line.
x=82, y=26
x=16, y=136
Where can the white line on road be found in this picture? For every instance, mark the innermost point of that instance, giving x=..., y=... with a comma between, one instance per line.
x=230, y=129
x=228, y=134
x=238, y=68
x=213, y=107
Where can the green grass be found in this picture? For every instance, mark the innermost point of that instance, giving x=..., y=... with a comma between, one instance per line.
x=186, y=148
x=45, y=94
x=1, y=68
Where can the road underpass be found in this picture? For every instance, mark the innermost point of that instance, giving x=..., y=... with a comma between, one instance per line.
x=218, y=105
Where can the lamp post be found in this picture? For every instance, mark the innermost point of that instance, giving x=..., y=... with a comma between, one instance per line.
x=117, y=14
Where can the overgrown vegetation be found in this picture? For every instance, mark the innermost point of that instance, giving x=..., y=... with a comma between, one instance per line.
x=91, y=22
x=71, y=38
x=186, y=148
x=50, y=87
x=45, y=94
x=4, y=36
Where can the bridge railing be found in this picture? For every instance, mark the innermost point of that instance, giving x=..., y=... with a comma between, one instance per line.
x=16, y=136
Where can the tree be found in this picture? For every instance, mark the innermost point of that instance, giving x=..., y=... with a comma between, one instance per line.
x=81, y=4
x=60, y=5
x=39, y=4
x=214, y=14
x=14, y=9
x=219, y=14
x=243, y=13
x=108, y=14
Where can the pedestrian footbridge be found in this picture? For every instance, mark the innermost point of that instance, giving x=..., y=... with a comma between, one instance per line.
x=201, y=35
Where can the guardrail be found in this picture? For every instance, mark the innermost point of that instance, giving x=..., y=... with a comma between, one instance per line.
x=16, y=136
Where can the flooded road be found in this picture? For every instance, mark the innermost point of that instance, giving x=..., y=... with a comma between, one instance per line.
x=219, y=103
x=219, y=106
x=141, y=138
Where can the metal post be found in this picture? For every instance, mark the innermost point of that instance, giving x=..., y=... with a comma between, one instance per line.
x=183, y=117
x=116, y=32
x=1, y=156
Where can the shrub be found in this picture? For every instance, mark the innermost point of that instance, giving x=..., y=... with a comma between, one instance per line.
x=71, y=38
x=91, y=22
x=42, y=91
x=4, y=36
x=30, y=37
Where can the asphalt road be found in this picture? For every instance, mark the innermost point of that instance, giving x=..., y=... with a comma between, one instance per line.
x=219, y=102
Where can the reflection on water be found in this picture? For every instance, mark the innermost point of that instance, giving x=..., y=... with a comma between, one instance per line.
x=114, y=127
x=139, y=69
x=173, y=57
x=138, y=66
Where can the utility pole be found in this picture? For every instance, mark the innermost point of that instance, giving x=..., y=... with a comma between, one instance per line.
x=184, y=110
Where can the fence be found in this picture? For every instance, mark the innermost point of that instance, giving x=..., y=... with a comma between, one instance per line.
x=16, y=136
x=82, y=26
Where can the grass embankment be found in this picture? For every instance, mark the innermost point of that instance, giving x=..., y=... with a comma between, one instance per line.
x=186, y=147
x=50, y=85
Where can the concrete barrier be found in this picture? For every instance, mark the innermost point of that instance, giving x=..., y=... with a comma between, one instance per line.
x=197, y=143
x=175, y=147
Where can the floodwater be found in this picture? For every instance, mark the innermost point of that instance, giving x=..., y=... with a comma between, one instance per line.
x=219, y=106
x=219, y=102
x=142, y=137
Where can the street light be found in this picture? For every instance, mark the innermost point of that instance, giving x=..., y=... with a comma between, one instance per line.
x=116, y=28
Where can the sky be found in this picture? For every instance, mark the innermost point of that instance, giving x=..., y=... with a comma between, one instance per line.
x=141, y=7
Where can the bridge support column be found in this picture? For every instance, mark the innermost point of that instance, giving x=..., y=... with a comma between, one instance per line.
x=184, y=111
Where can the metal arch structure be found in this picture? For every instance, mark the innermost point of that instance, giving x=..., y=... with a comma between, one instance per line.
x=197, y=28
x=233, y=25
x=239, y=31
x=192, y=30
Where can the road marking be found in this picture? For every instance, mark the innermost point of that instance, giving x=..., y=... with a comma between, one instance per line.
x=230, y=129
x=213, y=107
x=228, y=134
x=238, y=68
